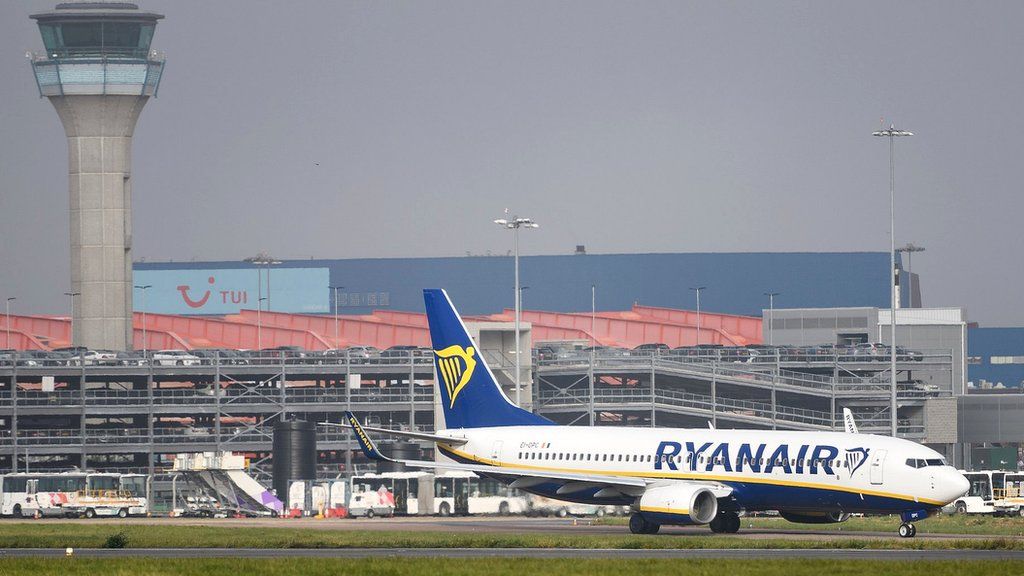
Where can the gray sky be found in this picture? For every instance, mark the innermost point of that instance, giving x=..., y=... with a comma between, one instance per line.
x=698, y=127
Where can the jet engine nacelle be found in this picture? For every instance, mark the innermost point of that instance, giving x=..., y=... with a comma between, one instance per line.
x=825, y=518
x=679, y=504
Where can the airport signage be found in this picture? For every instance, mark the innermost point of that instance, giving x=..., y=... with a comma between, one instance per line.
x=227, y=291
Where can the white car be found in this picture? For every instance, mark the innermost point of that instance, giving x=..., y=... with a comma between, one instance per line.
x=174, y=358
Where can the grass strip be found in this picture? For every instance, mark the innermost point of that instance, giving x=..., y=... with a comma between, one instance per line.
x=43, y=535
x=496, y=567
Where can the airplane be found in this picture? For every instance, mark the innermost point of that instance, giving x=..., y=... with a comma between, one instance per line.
x=667, y=476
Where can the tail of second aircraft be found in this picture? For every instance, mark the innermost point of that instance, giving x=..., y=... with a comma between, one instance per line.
x=470, y=395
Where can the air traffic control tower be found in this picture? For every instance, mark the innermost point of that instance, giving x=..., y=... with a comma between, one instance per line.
x=98, y=72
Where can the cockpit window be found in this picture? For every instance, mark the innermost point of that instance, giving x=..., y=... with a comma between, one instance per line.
x=923, y=463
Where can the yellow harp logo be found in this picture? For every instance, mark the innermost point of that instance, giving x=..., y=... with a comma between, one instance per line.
x=456, y=365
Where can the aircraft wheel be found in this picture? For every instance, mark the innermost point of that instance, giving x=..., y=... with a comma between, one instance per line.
x=637, y=524
x=717, y=524
x=907, y=530
x=732, y=523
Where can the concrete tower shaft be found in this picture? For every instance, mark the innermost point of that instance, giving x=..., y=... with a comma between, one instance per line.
x=99, y=131
x=98, y=72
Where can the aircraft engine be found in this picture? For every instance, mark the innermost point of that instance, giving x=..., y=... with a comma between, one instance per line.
x=679, y=504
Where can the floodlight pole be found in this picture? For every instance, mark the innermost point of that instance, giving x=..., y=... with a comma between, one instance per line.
x=7, y=314
x=771, y=316
x=514, y=224
x=144, y=288
x=697, y=290
x=892, y=133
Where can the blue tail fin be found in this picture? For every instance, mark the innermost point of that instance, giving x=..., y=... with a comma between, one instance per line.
x=470, y=396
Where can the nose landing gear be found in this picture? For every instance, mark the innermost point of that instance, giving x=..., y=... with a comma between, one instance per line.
x=907, y=530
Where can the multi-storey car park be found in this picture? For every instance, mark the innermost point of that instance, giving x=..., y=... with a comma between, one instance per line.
x=134, y=418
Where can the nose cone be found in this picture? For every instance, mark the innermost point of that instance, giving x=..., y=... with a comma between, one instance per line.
x=952, y=485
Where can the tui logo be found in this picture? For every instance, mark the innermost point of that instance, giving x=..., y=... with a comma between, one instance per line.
x=455, y=364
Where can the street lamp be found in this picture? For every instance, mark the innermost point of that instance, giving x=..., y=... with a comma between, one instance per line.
x=909, y=249
x=892, y=133
x=697, y=290
x=144, y=288
x=514, y=224
x=262, y=259
x=71, y=329
x=259, y=323
x=7, y=314
x=771, y=315
x=336, y=288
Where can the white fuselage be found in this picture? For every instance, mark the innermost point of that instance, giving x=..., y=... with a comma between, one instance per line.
x=767, y=470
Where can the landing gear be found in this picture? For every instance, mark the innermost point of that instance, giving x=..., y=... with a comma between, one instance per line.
x=640, y=525
x=907, y=530
x=725, y=523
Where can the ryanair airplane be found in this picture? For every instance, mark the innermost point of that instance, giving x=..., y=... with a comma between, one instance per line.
x=674, y=476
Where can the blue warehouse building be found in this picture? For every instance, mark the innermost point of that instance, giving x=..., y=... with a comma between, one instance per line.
x=735, y=282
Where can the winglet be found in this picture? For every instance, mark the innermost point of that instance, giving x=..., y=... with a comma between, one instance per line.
x=848, y=422
x=369, y=448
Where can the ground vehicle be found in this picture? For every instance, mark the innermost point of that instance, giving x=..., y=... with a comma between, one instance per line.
x=412, y=492
x=992, y=492
x=86, y=494
x=651, y=349
x=404, y=354
x=354, y=354
x=368, y=502
x=174, y=358
x=288, y=354
x=541, y=506
x=464, y=493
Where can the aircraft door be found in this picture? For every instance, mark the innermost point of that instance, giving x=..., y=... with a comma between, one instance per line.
x=877, y=465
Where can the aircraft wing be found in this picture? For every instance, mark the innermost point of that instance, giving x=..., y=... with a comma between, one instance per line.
x=402, y=433
x=525, y=478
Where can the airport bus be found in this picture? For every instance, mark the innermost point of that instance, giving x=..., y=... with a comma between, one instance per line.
x=86, y=494
x=445, y=494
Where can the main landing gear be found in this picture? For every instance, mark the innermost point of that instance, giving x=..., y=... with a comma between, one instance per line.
x=640, y=525
x=907, y=530
x=725, y=523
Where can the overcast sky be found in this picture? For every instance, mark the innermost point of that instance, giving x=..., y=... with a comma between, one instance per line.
x=373, y=129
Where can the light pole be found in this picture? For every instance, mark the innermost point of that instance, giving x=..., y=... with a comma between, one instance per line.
x=7, y=314
x=771, y=315
x=71, y=329
x=259, y=323
x=262, y=259
x=697, y=290
x=336, y=288
x=909, y=249
x=514, y=224
x=593, y=348
x=892, y=133
x=144, y=288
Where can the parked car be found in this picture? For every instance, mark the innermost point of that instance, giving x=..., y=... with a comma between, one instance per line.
x=129, y=359
x=290, y=354
x=650, y=349
x=175, y=358
x=354, y=354
x=403, y=354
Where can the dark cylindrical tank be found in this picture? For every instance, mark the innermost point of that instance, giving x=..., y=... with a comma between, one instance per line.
x=399, y=451
x=294, y=454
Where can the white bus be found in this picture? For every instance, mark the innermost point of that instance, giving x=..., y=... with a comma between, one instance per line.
x=464, y=493
x=446, y=494
x=73, y=494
